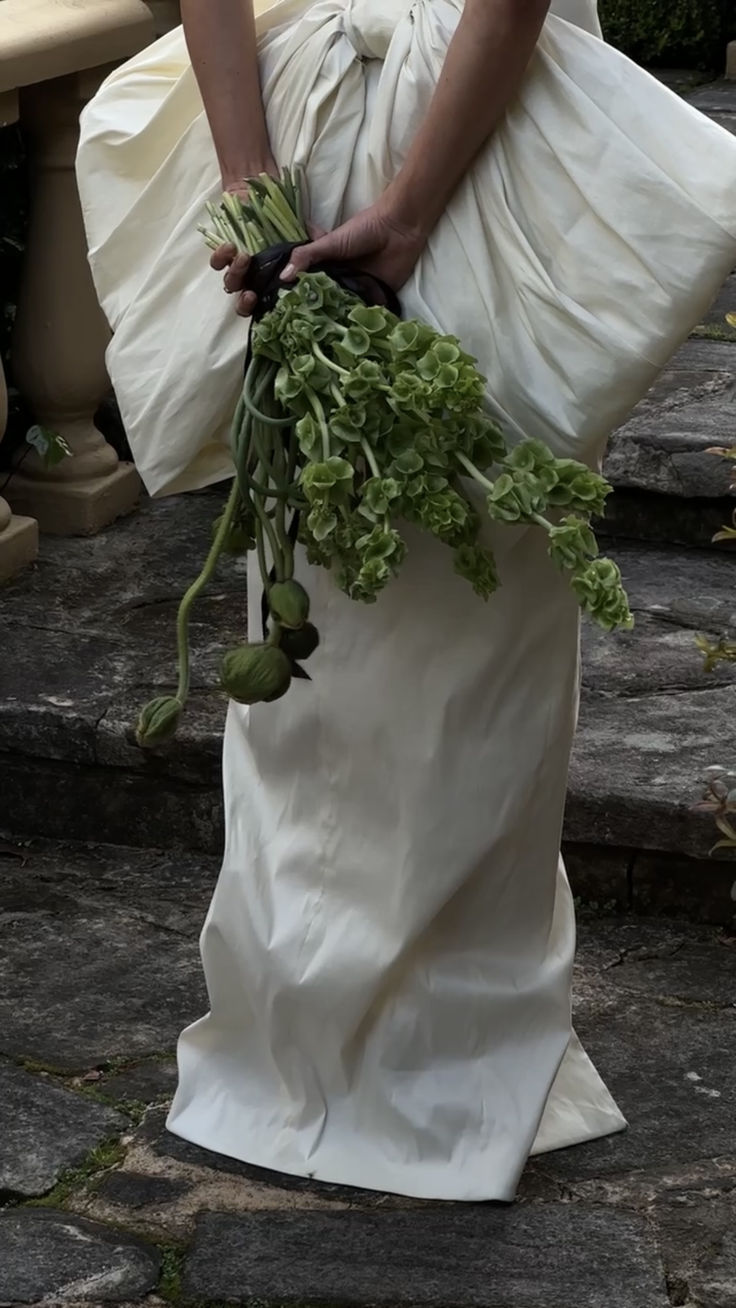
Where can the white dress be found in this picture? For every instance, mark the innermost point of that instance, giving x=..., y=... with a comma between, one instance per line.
x=389, y=948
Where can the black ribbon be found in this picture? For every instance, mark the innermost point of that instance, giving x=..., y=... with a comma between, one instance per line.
x=264, y=279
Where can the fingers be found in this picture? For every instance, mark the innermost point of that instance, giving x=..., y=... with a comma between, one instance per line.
x=236, y=274
x=222, y=257
x=304, y=256
x=246, y=303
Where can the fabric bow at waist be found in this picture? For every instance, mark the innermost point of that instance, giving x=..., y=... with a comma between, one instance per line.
x=370, y=24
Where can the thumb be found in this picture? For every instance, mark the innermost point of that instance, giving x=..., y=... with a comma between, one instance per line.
x=303, y=256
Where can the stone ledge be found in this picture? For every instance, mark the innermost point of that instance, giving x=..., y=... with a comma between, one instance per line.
x=42, y=39
x=103, y=637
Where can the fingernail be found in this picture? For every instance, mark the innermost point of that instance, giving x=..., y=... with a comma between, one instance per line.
x=289, y=273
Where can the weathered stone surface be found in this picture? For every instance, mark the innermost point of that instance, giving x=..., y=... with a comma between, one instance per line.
x=664, y=959
x=86, y=976
x=713, y=1284
x=137, y=1190
x=152, y=1082
x=715, y=98
x=666, y=519
x=46, y=1130
x=725, y=302
x=530, y=1257
x=705, y=889
x=662, y=447
x=669, y=1066
x=695, y=1229
x=53, y=1258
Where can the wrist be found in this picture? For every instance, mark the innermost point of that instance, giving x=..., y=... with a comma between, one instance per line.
x=405, y=208
x=234, y=177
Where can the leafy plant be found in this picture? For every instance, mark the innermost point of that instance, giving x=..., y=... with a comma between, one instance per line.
x=674, y=33
x=351, y=422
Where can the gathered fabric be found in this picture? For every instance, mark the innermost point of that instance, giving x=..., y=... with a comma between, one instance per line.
x=389, y=949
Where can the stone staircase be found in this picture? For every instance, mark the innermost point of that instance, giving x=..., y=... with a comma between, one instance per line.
x=88, y=637
x=109, y=863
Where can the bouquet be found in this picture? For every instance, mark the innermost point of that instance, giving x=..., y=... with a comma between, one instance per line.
x=350, y=422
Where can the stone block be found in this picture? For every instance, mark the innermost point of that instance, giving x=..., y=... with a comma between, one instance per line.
x=529, y=1256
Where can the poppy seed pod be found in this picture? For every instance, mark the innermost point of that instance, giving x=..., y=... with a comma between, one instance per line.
x=158, y=721
x=255, y=674
x=289, y=604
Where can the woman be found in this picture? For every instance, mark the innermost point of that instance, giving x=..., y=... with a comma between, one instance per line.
x=389, y=948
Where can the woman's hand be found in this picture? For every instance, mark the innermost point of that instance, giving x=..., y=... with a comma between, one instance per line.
x=374, y=241
x=226, y=257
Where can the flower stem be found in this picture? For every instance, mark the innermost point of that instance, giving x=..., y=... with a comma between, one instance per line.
x=370, y=457
x=197, y=586
x=471, y=469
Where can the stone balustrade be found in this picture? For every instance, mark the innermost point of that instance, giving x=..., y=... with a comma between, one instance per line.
x=53, y=56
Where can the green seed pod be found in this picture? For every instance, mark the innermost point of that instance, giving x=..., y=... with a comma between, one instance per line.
x=289, y=604
x=158, y=721
x=299, y=645
x=255, y=674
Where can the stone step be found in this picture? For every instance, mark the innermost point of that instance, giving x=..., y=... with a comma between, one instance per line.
x=89, y=636
x=667, y=487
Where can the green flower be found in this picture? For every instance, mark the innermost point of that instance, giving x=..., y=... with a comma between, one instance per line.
x=328, y=482
x=355, y=342
x=373, y=319
x=478, y=566
x=406, y=464
x=409, y=393
x=363, y=381
x=600, y=591
x=515, y=498
x=321, y=522
x=381, y=544
x=309, y=435
x=378, y=496
x=572, y=544
x=579, y=488
x=410, y=337
x=529, y=456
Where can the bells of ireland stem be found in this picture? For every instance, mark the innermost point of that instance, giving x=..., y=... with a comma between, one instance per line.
x=255, y=674
x=157, y=721
x=289, y=604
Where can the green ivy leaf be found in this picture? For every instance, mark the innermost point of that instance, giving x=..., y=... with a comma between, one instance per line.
x=49, y=445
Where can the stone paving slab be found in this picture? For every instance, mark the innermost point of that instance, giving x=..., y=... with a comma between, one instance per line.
x=533, y=1257
x=655, y=1006
x=52, y=1258
x=86, y=976
x=46, y=1131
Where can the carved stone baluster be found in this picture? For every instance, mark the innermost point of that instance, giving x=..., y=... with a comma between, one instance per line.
x=60, y=334
x=165, y=14
x=18, y=535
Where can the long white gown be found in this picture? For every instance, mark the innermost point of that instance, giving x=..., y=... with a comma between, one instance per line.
x=389, y=948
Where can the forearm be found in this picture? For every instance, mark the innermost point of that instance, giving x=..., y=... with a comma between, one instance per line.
x=221, y=39
x=483, y=68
